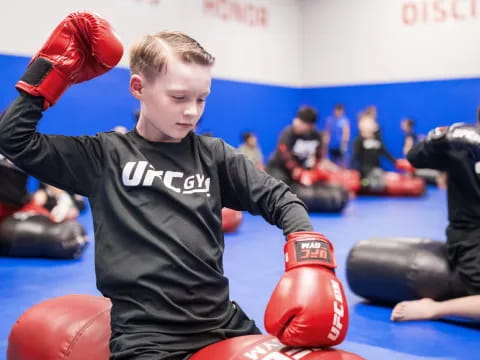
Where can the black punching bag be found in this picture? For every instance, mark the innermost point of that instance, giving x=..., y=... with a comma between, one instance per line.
x=322, y=197
x=31, y=235
x=389, y=270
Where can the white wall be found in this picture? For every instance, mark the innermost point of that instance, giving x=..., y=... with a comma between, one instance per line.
x=285, y=42
x=378, y=41
x=261, y=43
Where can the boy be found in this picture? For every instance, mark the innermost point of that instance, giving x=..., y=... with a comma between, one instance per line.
x=249, y=147
x=299, y=149
x=410, y=138
x=368, y=148
x=156, y=195
x=338, y=133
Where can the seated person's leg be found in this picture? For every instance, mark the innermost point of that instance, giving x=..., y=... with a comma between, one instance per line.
x=428, y=309
x=463, y=251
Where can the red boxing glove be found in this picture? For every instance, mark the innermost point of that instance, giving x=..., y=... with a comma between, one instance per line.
x=404, y=164
x=265, y=347
x=309, y=177
x=308, y=307
x=81, y=47
x=322, y=174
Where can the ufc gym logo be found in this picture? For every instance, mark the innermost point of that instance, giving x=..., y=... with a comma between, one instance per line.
x=313, y=250
x=304, y=149
x=371, y=144
x=273, y=349
x=477, y=168
x=142, y=173
x=338, y=311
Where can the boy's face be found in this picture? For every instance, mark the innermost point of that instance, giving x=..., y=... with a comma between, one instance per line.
x=404, y=125
x=367, y=126
x=252, y=141
x=338, y=112
x=173, y=102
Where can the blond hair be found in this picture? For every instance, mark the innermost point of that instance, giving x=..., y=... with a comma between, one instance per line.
x=150, y=53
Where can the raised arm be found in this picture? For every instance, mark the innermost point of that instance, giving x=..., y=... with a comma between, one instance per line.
x=81, y=47
x=431, y=152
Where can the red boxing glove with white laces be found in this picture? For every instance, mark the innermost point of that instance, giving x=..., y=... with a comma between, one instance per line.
x=308, y=307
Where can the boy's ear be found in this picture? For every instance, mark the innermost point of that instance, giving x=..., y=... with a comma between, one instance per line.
x=136, y=86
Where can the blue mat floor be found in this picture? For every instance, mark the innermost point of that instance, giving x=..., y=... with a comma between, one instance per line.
x=254, y=263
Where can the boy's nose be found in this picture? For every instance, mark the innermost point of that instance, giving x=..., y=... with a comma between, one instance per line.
x=191, y=110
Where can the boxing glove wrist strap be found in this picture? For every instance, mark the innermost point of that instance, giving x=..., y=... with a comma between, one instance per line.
x=42, y=79
x=308, y=248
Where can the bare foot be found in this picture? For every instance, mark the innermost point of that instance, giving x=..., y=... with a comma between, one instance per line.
x=414, y=310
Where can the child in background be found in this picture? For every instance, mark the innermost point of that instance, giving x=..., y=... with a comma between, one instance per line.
x=410, y=138
x=368, y=148
x=249, y=147
x=338, y=135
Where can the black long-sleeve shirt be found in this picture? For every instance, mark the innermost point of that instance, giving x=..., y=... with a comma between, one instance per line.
x=367, y=153
x=157, y=214
x=463, y=179
x=13, y=184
